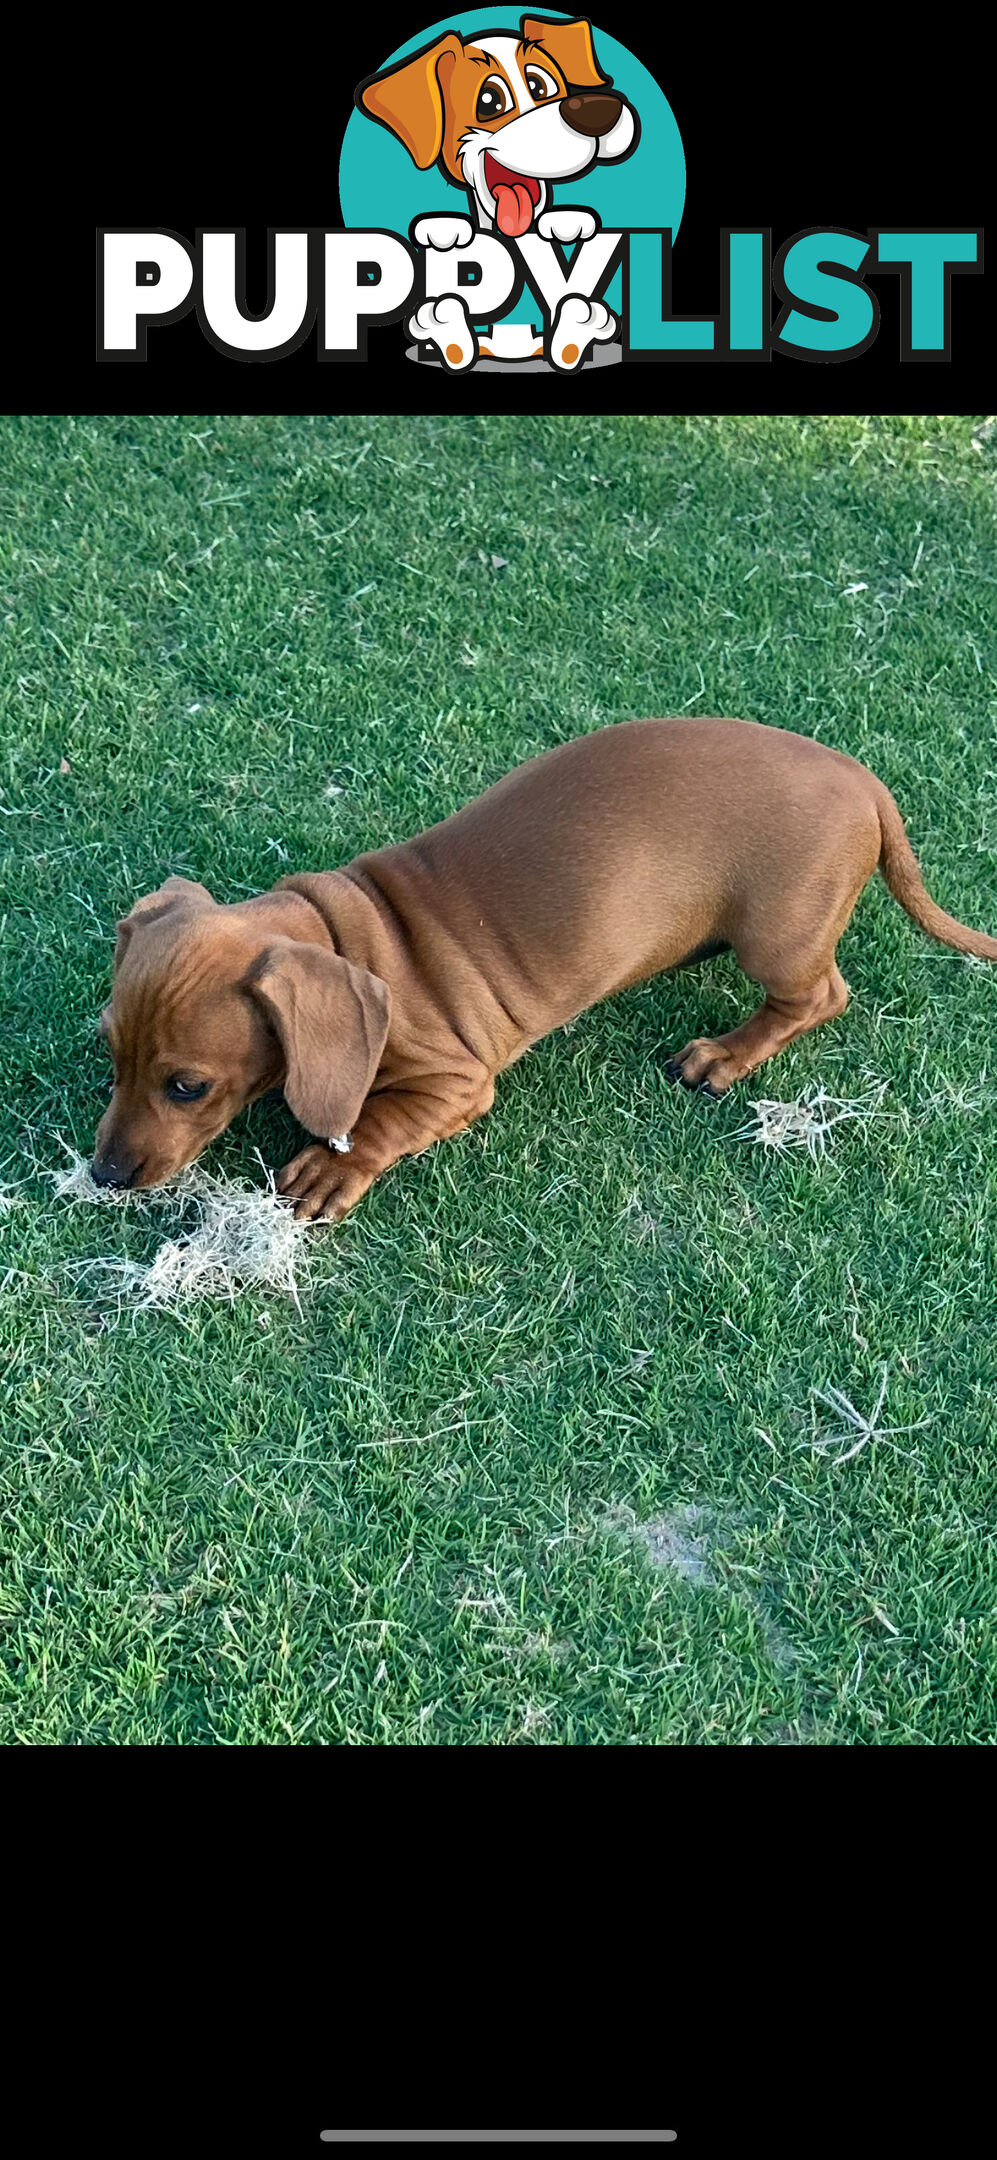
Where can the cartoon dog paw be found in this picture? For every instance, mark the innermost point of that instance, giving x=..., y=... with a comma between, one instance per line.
x=578, y=324
x=443, y=233
x=445, y=324
x=567, y=225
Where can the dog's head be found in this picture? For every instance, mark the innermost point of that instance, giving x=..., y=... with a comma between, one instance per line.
x=504, y=116
x=211, y=1007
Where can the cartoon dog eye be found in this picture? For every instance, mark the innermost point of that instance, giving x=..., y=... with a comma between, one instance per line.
x=540, y=85
x=494, y=97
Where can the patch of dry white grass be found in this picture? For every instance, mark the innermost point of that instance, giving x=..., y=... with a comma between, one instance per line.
x=678, y=1540
x=808, y=1122
x=845, y=1445
x=76, y=1183
x=230, y=1238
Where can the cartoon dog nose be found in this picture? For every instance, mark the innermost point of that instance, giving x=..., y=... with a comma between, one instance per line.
x=592, y=112
x=109, y=1172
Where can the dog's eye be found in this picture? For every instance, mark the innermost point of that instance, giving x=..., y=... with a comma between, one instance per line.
x=184, y=1091
x=494, y=97
x=540, y=86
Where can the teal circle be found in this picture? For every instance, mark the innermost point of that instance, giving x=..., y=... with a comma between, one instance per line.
x=380, y=186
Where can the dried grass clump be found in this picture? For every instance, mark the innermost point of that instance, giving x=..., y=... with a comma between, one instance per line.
x=233, y=1238
x=856, y=1421
x=808, y=1122
x=76, y=1183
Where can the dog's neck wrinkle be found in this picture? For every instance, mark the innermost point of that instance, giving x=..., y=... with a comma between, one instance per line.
x=337, y=900
x=371, y=892
x=300, y=919
x=365, y=913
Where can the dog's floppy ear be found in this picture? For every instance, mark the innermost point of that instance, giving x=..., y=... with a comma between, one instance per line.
x=152, y=905
x=408, y=98
x=331, y=1020
x=570, y=47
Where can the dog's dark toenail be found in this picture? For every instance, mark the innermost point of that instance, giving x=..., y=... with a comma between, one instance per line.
x=673, y=1070
x=706, y=1088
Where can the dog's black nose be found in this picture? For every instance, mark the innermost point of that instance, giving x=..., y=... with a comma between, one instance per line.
x=592, y=112
x=110, y=1172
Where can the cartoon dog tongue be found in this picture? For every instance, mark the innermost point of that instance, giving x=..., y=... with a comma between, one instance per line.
x=513, y=207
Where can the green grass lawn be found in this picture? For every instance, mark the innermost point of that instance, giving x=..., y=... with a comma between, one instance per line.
x=412, y=1513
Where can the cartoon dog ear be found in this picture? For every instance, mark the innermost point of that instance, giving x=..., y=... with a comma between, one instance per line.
x=409, y=98
x=331, y=1020
x=153, y=905
x=570, y=47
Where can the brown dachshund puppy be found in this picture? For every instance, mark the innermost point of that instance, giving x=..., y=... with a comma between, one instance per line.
x=384, y=997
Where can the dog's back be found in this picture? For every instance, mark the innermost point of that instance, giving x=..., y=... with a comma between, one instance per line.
x=620, y=853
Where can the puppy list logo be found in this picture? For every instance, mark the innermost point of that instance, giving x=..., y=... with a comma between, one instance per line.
x=570, y=164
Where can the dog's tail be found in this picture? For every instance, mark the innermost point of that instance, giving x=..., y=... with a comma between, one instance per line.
x=899, y=867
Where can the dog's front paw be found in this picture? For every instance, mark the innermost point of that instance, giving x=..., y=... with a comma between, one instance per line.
x=322, y=1184
x=567, y=224
x=445, y=324
x=578, y=324
x=443, y=233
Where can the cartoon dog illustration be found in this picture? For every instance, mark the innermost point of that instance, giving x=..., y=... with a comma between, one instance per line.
x=541, y=100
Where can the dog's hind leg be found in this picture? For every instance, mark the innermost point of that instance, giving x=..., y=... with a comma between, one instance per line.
x=714, y=1063
x=786, y=942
